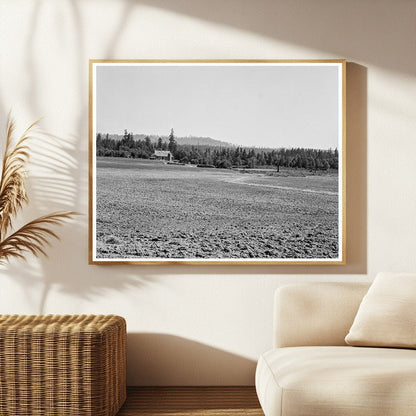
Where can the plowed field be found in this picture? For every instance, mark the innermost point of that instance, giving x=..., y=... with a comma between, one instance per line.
x=148, y=209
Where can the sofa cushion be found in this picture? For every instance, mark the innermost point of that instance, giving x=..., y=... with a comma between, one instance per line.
x=342, y=381
x=315, y=314
x=387, y=314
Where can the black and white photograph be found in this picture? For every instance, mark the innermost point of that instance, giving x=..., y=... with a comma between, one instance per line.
x=217, y=162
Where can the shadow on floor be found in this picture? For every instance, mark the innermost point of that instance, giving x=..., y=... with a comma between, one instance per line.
x=168, y=360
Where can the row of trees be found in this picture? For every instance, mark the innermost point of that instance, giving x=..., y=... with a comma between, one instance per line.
x=128, y=147
x=256, y=158
x=220, y=157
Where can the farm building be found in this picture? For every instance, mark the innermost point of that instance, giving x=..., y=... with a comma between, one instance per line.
x=163, y=155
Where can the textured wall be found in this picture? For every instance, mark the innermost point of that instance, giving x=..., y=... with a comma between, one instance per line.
x=204, y=325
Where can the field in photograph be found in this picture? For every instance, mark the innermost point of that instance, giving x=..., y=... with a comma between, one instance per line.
x=148, y=209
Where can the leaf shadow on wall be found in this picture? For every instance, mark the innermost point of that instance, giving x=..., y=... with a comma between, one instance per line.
x=60, y=182
x=370, y=34
x=53, y=186
x=164, y=359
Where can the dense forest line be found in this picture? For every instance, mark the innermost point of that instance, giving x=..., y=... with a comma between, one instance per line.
x=220, y=157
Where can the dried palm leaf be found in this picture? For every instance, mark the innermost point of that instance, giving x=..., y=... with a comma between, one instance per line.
x=12, y=182
x=33, y=237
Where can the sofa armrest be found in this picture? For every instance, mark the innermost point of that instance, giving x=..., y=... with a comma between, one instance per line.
x=315, y=313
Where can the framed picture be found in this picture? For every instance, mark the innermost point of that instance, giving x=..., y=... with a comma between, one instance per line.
x=217, y=161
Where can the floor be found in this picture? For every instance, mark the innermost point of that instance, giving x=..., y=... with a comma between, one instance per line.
x=187, y=401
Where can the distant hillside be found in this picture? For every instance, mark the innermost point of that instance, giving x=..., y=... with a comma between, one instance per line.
x=190, y=140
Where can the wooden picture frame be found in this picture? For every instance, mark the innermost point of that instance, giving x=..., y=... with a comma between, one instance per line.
x=217, y=162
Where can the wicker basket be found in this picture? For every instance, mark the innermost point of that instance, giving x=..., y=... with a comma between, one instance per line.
x=52, y=365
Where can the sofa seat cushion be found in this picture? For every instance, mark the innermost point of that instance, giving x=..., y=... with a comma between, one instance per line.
x=342, y=381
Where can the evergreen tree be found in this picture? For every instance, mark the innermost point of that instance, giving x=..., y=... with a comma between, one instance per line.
x=172, y=143
x=127, y=140
x=148, y=145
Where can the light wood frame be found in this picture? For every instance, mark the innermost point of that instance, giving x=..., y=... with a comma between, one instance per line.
x=340, y=260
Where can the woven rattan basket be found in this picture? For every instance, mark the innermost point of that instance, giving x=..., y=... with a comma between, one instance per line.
x=54, y=365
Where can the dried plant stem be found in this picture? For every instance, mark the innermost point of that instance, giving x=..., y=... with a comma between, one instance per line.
x=34, y=236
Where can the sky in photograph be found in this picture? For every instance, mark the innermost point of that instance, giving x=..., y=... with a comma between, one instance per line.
x=262, y=106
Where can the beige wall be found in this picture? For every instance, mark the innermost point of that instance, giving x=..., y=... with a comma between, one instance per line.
x=204, y=325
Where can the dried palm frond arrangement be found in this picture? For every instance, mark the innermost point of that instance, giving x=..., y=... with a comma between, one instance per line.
x=34, y=236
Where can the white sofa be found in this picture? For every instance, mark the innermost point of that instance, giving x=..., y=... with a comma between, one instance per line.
x=312, y=371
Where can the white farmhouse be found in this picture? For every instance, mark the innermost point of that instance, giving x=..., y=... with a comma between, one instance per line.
x=163, y=155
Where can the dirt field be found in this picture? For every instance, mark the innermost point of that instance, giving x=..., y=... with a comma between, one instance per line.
x=146, y=209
